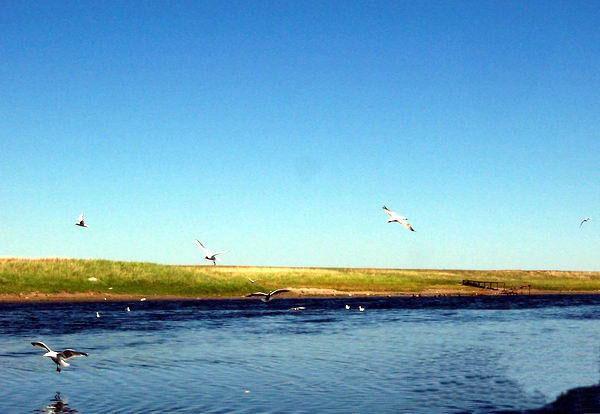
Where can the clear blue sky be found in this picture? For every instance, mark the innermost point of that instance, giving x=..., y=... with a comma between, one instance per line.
x=277, y=130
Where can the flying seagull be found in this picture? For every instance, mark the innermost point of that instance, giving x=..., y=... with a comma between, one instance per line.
x=208, y=254
x=81, y=221
x=266, y=297
x=584, y=220
x=396, y=218
x=59, y=358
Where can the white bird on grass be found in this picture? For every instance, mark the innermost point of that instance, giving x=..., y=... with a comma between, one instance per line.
x=394, y=217
x=59, y=358
x=209, y=254
x=81, y=221
x=251, y=280
x=584, y=220
x=266, y=297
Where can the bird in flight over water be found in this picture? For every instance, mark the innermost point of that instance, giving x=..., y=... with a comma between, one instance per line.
x=59, y=358
x=81, y=221
x=584, y=220
x=393, y=217
x=208, y=254
x=266, y=297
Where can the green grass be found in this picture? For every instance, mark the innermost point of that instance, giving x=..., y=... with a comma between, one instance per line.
x=71, y=276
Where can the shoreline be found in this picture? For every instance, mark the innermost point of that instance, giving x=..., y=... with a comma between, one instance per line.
x=64, y=297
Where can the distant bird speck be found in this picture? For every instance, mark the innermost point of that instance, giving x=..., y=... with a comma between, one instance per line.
x=584, y=220
x=97, y=314
x=361, y=309
x=127, y=309
x=142, y=299
x=347, y=307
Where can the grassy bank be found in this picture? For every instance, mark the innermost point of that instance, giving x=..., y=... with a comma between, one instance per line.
x=55, y=276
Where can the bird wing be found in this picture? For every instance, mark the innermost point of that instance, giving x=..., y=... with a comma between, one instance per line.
x=41, y=345
x=388, y=211
x=259, y=294
x=278, y=291
x=406, y=224
x=203, y=248
x=218, y=253
x=71, y=353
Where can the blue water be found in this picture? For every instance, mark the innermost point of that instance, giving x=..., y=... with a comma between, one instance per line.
x=413, y=355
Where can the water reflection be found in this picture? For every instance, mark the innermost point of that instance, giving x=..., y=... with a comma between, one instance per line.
x=58, y=404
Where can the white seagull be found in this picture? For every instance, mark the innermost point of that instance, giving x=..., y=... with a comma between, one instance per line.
x=251, y=280
x=266, y=297
x=361, y=309
x=127, y=309
x=393, y=217
x=347, y=307
x=584, y=220
x=97, y=314
x=59, y=358
x=81, y=221
x=208, y=254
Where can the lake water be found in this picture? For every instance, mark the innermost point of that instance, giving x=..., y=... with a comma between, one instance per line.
x=414, y=355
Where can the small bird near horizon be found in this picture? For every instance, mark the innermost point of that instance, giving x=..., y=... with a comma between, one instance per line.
x=347, y=307
x=394, y=217
x=266, y=297
x=209, y=254
x=361, y=309
x=127, y=309
x=81, y=221
x=59, y=358
x=584, y=220
x=97, y=314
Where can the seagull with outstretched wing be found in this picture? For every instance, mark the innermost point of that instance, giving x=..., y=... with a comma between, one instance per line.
x=584, y=220
x=209, y=254
x=394, y=217
x=59, y=358
x=266, y=297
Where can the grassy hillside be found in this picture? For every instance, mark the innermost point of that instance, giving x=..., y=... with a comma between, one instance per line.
x=71, y=276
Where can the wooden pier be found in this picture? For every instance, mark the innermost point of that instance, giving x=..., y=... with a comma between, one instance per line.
x=482, y=284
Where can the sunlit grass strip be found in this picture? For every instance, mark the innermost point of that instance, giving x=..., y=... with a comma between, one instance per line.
x=71, y=276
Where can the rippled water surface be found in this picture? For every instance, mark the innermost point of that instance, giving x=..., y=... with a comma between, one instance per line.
x=476, y=354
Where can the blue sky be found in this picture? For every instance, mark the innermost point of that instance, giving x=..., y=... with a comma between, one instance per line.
x=277, y=130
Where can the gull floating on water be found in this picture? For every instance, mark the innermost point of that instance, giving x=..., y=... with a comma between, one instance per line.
x=127, y=309
x=298, y=308
x=208, y=254
x=81, y=221
x=266, y=297
x=361, y=309
x=347, y=307
x=97, y=314
x=142, y=299
x=59, y=358
x=394, y=217
x=584, y=220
